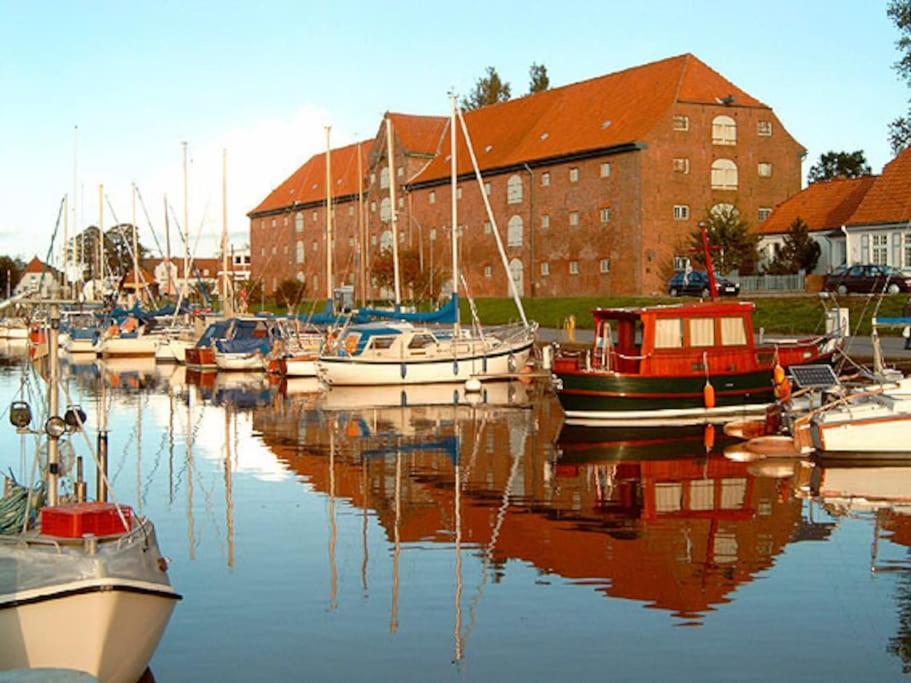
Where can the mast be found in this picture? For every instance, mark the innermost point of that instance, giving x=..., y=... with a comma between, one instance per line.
x=167, y=239
x=186, y=227
x=135, y=250
x=101, y=237
x=66, y=237
x=392, y=213
x=75, y=220
x=227, y=300
x=329, y=249
x=453, y=172
x=361, y=234
x=53, y=445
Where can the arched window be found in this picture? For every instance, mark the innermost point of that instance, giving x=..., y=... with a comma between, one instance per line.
x=385, y=210
x=724, y=175
x=300, y=276
x=724, y=130
x=384, y=177
x=516, y=272
x=300, y=252
x=386, y=240
x=514, y=231
x=514, y=190
x=299, y=221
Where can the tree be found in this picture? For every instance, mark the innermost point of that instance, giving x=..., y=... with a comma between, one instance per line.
x=488, y=89
x=731, y=235
x=799, y=251
x=10, y=274
x=538, y=80
x=839, y=164
x=289, y=293
x=118, y=245
x=899, y=11
x=422, y=283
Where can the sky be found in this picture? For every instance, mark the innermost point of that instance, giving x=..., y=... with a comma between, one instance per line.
x=262, y=80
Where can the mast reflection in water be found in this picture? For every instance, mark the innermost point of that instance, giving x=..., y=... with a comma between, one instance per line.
x=423, y=533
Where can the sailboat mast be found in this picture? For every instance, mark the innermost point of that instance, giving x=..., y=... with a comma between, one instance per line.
x=227, y=298
x=66, y=237
x=361, y=234
x=53, y=446
x=186, y=227
x=75, y=220
x=101, y=239
x=167, y=248
x=453, y=171
x=135, y=250
x=392, y=213
x=329, y=248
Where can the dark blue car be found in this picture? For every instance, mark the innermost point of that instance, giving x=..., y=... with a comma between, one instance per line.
x=696, y=283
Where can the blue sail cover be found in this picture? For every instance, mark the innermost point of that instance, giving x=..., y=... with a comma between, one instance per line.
x=447, y=314
x=248, y=336
x=216, y=330
x=327, y=317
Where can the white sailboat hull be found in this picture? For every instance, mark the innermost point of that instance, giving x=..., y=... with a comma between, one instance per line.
x=307, y=366
x=136, y=346
x=79, y=346
x=16, y=332
x=240, y=362
x=172, y=351
x=355, y=371
x=881, y=434
x=106, y=627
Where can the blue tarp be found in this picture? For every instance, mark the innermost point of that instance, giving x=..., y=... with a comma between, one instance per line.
x=446, y=314
x=244, y=345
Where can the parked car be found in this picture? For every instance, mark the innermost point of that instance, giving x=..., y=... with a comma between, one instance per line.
x=867, y=278
x=696, y=283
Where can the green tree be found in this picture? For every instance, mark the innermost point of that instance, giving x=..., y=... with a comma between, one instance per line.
x=10, y=274
x=730, y=236
x=799, y=251
x=489, y=89
x=290, y=293
x=421, y=283
x=899, y=11
x=839, y=164
x=538, y=80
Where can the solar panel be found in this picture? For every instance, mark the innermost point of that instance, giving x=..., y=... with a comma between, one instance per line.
x=813, y=376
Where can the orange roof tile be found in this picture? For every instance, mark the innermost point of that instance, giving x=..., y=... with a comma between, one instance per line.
x=619, y=108
x=418, y=134
x=889, y=200
x=825, y=205
x=307, y=184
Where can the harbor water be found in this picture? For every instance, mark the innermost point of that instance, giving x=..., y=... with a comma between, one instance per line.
x=424, y=534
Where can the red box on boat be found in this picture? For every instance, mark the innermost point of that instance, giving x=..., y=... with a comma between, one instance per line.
x=72, y=521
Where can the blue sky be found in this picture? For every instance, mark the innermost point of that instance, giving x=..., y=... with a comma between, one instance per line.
x=261, y=79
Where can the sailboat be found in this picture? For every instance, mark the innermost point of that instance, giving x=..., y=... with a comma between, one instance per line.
x=93, y=568
x=403, y=352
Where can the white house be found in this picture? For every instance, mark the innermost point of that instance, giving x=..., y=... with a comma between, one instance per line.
x=40, y=279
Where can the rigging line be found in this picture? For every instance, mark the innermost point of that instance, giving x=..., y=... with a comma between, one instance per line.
x=50, y=249
x=145, y=212
x=129, y=246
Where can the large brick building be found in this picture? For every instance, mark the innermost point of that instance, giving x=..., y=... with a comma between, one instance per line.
x=594, y=186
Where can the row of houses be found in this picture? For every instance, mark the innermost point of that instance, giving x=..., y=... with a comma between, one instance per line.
x=594, y=186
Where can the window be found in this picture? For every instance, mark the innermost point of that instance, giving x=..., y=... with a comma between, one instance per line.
x=459, y=192
x=432, y=197
x=668, y=333
x=299, y=222
x=733, y=332
x=384, y=177
x=605, y=169
x=907, y=241
x=545, y=268
x=514, y=190
x=372, y=178
x=401, y=202
x=764, y=212
x=351, y=209
x=315, y=246
x=605, y=265
x=300, y=276
x=765, y=169
x=273, y=222
x=488, y=272
x=433, y=234
x=574, y=218
x=299, y=248
x=573, y=267
x=702, y=332
x=400, y=172
x=681, y=165
x=605, y=214
x=724, y=175
x=681, y=212
x=514, y=231
x=681, y=122
x=681, y=263
x=386, y=240
x=385, y=209
x=574, y=174
x=724, y=130
x=488, y=228
x=372, y=240
x=314, y=216
x=881, y=249
x=372, y=207
x=545, y=179
x=764, y=128
x=488, y=188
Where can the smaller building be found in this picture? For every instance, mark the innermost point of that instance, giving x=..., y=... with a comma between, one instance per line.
x=856, y=220
x=39, y=279
x=169, y=274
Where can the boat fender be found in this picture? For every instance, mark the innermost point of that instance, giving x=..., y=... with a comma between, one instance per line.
x=351, y=345
x=484, y=364
x=708, y=438
x=708, y=395
x=778, y=374
x=782, y=385
x=511, y=363
x=455, y=368
x=404, y=370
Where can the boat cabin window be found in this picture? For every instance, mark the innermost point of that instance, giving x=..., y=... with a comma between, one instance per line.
x=668, y=333
x=702, y=331
x=733, y=332
x=421, y=341
x=381, y=342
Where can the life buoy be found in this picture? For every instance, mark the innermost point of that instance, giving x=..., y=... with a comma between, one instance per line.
x=350, y=345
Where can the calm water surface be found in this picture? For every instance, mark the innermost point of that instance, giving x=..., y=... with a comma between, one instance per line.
x=346, y=536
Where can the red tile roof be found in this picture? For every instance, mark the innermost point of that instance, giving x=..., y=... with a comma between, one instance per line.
x=824, y=205
x=889, y=200
x=619, y=108
x=418, y=134
x=36, y=265
x=307, y=184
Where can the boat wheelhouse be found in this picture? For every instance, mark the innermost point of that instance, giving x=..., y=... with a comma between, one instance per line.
x=696, y=362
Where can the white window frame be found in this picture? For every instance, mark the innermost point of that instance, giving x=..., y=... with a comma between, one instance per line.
x=764, y=129
x=681, y=165
x=299, y=251
x=879, y=249
x=724, y=175
x=764, y=169
x=299, y=222
x=488, y=272
x=545, y=221
x=432, y=197
x=681, y=212
x=681, y=122
x=604, y=265
x=606, y=169
x=385, y=209
x=574, y=174
x=545, y=268
x=763, y=213
x=573, y=267
x=724, y=130
x=545, y=179
x=515, y=230
x=574, y=218
x=514, y=189
x=384, y=177
x=605, y=214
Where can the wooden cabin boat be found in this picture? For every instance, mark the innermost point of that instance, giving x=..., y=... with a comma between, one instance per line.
x=694, y=362
x=248, y=345
x=201, y=356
